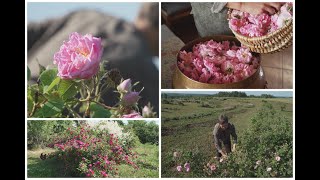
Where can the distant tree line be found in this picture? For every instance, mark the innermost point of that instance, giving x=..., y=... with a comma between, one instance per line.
x=220, y=94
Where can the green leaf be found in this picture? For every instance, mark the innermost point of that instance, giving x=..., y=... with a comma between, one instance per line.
x=67, y=89
x=49, y=109
x=47, y=76
x=53, y=96
x=52, y=85
x=28, y=74
x=30, y=99
x=98, y=111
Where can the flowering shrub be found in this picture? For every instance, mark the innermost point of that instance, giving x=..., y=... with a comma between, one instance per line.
x=92, y=152
x=80, y=74
x=262, y=24
x=218, y=62
x=126, y=139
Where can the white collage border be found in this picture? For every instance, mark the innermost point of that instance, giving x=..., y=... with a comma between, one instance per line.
x=160, y=90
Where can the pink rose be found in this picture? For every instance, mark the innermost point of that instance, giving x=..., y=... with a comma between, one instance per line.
x=244, y=55
x=179, y=168
x=278, y=158
x=187, y=167
x=282, y=18
x=227, y=67
x=187, y=57
x=205, y=76
x=104, y=174
x=212, y=167
x=79, y=58
x=231, y=53
x=175, y=154
x=133, y=114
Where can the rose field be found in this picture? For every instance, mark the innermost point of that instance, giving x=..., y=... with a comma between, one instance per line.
x=103, y=149
x=264, y=125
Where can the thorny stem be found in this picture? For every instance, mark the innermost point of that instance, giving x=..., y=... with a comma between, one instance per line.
x=103, y=105
x=87, y=112
x=35, y=106
x=75, y=114
x=33, y=110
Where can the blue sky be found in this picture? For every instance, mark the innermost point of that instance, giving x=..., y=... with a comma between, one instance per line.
x=275, y=93
x=38, y=11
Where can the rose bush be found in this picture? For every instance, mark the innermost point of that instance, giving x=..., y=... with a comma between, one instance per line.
x=75, y=87
x=92, y=152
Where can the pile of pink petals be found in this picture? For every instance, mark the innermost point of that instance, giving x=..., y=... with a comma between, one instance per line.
x=259, y=25
x=218, y=62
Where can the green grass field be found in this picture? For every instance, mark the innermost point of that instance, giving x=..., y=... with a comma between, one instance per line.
x=148, y=163
x=183, y=129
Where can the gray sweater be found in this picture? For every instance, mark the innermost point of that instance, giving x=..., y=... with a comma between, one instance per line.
x=211, y=18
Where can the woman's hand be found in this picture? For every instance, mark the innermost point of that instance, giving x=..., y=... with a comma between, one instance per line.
x=234, y=148
x=256, y=7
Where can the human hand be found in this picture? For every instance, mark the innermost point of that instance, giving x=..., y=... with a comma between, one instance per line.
x=223, y=154
x=256, y=7
x=234, y=147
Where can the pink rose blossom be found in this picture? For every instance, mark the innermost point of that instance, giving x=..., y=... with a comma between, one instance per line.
x=91, y=171
x=79, y=58
x=262, y=24
x=187, y=57
x=186, y=165
x=217, y=62
x=227, y=67
x=175, y=154
x=104, y=174
x=212, y=167
x=231, y=53
x=278, y=158
x=133, y=114
x=244, y=55
x=179, y=168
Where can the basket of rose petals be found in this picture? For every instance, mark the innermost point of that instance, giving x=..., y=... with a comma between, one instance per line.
x=263, y=33
x=216, y=62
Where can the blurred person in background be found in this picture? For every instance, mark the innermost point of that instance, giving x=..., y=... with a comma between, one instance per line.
x=131, y=48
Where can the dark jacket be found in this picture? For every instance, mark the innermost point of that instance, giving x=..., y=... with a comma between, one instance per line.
x=223, y=135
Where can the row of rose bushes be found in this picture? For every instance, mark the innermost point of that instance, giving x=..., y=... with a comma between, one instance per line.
x=265, y=149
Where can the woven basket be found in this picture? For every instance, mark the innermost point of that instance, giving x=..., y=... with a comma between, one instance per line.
x=270, y=43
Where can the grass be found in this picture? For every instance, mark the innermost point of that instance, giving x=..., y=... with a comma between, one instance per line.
x=189, y=134
x=148, y=163
x=43, y=168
